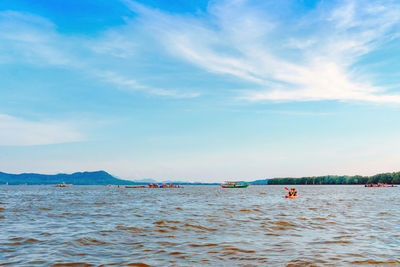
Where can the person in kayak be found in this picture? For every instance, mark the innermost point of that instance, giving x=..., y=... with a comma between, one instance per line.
x=292, y=192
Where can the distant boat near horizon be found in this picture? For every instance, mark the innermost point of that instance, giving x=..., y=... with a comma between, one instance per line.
x=234, y=184
x=379, y=185
x=63, y=185
x=151, y=185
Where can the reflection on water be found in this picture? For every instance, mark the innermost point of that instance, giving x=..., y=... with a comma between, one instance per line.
x=199, y=225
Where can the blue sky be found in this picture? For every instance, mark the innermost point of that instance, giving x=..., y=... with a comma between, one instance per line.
x=200, y=90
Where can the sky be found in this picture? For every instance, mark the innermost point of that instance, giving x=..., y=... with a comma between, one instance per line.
x=196, y=90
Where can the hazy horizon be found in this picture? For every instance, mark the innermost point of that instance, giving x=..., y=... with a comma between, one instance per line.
x=205, y=180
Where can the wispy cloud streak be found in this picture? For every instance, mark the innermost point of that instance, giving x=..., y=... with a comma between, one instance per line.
x=132, y=85
x=307, y=56
x=30, y=39
x=310, y=57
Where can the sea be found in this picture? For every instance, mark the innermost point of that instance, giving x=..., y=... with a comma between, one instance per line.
x=328, y=225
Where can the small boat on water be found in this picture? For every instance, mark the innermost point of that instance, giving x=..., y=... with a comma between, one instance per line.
x=136, y=186
x=234, y=184
x=379, y=185
x=64, y=185
x=154, y=186
x=287, y=196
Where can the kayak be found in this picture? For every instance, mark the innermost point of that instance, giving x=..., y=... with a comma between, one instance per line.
x=234, y=185
x=287, y=196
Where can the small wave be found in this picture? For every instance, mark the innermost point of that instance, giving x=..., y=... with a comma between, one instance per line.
x=7, y=263
x=103, y=203
x=175, y=253
x=90, y=242
x=231, y=251
x=31, y=240
x=370, y=261
x=339, y=242
x=108, y=231
x=203, y=245
x=199, y=227
x=260, y=259
x=165, y=222
x=138, y=264
x=162, y=230
x=272, y=234
x=167, y=243
x=278, y=228
x=295, y=263
x=241, y=250
x=130, y=229
x=282, y=225
x=75, y=264
x=45, y=233
x=319, y=219
x=21, y=241
x=333, y=242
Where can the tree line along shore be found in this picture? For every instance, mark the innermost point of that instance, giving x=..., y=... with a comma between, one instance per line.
x=384, y=178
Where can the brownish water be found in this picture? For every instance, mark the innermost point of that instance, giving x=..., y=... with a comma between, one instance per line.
x=199, y=225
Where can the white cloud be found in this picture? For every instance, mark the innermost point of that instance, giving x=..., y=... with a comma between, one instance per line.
x=312, y=57
x=113, y=43
x=309, y=57
x=20, y=132
x=31, y=39
x=132, y=85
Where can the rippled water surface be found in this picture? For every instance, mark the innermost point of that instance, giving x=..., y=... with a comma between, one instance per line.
x=199, y=225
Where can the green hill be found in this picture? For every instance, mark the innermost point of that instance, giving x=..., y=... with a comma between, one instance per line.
x=78, y=178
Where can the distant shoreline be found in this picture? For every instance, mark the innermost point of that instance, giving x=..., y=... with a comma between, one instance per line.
x=385, y=178
x=104, y=178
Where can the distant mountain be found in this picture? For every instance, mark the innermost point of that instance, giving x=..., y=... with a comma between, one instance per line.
x=78, y=178
x=259, y=182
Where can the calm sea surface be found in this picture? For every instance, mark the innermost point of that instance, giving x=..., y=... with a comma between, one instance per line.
x=199, y=225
